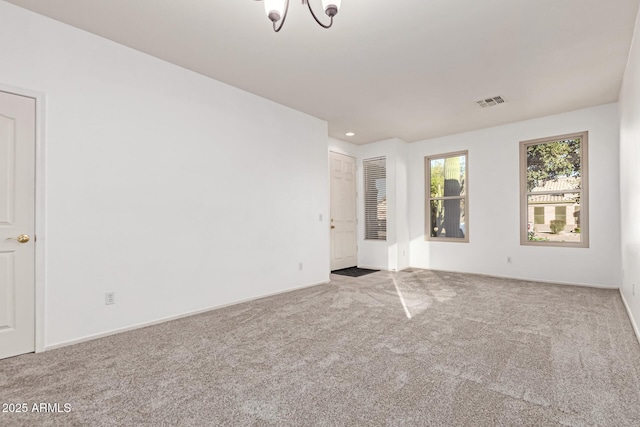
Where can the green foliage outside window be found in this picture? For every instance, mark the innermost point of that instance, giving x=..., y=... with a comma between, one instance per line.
x=557, y=226
x=552, y=160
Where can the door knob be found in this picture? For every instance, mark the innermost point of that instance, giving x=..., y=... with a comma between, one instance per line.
x=333, y=226
x=23, y=238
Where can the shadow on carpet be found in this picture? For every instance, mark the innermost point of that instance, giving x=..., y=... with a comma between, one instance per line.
x=353, y=271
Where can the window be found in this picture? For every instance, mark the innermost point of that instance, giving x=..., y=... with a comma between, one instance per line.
x=554, y=191
x=447, y=207
x=539, y=215
x=375, y=198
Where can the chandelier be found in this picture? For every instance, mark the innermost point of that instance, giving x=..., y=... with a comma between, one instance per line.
x=277, y=10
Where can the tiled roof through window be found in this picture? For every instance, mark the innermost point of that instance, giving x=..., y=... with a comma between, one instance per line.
x=568, y=188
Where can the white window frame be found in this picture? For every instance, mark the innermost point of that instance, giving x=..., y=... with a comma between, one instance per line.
x=367, y=203
x=428, y=198
x=584, y=191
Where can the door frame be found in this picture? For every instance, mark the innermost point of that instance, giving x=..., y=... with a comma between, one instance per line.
x=40, y=210
x=333, y=150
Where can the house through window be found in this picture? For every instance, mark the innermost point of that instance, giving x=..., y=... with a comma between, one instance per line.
x=539, y=215
x=553, y=187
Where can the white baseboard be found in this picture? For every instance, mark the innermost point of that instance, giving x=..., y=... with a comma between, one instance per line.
x=175, y=317
x=589, y=285
x=193, y=313
x=558, y=282
x=368, y=267
x=525, y=279
x=381, y=268
x=633, y=321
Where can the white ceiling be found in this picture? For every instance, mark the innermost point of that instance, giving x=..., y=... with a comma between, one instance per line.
x=410, y=69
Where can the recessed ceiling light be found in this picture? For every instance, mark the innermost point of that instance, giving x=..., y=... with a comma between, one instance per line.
x=350, y=134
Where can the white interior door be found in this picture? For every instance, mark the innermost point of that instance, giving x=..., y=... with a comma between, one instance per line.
x=17, y=224
x=343, y=211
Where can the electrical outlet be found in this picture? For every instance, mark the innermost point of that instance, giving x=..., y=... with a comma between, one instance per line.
x=300, y=266
x=320, y=217
x=110, y=298
x=508, y=260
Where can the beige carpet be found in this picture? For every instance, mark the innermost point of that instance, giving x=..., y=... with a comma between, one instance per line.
x=412, y=349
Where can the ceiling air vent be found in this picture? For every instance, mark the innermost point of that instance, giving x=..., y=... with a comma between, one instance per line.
x=490, y=102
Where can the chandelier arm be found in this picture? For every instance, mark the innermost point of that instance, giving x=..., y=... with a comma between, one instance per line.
x=316, y=18
x=284, y=17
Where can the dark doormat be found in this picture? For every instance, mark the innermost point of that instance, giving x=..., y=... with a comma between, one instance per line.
x=353, y=271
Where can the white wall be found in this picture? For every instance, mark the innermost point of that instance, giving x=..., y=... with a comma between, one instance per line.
x=630, y=179
x=175, y=191
x=392, y=254
x=403, y=234
x=343, y=147
x=493, y=223
x=376, y=253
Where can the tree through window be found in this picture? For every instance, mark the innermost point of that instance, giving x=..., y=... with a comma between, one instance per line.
x=553, y=187
x=446, y=202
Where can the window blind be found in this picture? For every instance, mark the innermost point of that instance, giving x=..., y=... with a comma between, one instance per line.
x=375, y=198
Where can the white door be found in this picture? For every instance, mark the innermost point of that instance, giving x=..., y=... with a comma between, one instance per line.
x=17, y=224
x=343, y=211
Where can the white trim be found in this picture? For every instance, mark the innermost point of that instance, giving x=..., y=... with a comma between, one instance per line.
x=583, y=191
x=176, y=317
x=552, y=282
x=631, y=319
x=343, y=154
x=40, y=210
x=429, y=198
x=355, y=164
x=370, y=201
x=368, y=267
x=525, y=279
x=383, y=268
